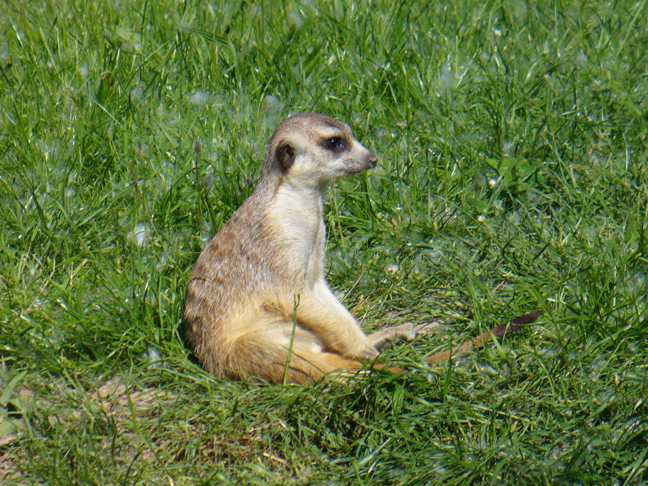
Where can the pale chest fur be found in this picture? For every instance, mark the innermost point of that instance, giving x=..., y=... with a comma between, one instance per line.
x=297, y=218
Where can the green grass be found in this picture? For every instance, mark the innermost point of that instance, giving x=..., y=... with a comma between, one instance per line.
x=513, y=175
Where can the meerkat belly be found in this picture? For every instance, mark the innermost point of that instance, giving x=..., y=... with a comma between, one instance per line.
x=297, y=219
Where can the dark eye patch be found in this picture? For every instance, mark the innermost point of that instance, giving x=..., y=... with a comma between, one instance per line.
x=335, y=144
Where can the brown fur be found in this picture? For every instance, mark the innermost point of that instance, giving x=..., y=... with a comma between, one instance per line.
x=257, y=303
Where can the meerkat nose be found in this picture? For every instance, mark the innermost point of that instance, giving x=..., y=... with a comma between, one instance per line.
x=371, y=158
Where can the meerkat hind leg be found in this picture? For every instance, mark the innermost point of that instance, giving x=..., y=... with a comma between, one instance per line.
x=284, y=353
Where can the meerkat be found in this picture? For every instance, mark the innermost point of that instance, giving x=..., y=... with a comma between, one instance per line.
x=258, y=304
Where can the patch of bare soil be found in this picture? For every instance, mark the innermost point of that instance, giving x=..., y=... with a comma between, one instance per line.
x=9, y=471
x=117, y=399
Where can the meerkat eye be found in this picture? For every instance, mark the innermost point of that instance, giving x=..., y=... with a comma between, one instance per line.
x=335, y=144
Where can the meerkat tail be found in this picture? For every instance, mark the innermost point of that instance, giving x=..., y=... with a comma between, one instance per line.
x=484, y=338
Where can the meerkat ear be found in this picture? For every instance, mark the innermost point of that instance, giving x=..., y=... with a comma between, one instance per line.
x=285, y=155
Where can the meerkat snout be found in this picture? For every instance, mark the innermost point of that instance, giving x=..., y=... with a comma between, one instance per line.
x=371, y=160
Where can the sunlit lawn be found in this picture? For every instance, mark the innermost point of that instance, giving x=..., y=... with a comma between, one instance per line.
x=513, y=175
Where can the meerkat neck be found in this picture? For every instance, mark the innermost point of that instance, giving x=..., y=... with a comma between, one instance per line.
x=303, y=205
x=309, y=193
x=296, y=213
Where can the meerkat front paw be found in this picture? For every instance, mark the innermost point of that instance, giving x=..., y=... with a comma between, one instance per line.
x=368, y=354
x=386, y=337
x=361, y=350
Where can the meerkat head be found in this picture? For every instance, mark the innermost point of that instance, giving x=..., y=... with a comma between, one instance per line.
x=313, y=148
